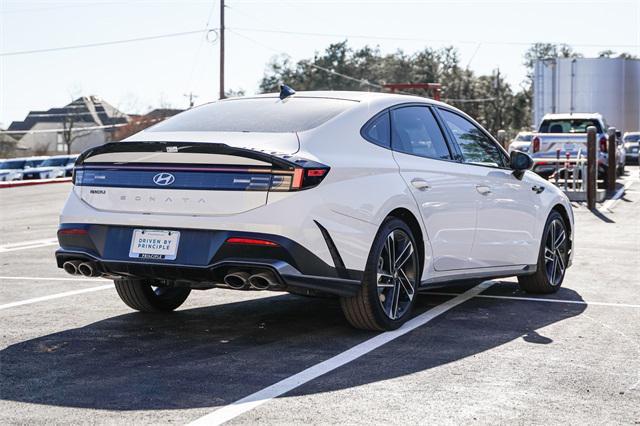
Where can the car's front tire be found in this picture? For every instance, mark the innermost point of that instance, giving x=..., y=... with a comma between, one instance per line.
x=143, y=296
x=552, y=258
x=390, y=281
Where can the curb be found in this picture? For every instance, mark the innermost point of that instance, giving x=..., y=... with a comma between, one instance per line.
x=33, y=182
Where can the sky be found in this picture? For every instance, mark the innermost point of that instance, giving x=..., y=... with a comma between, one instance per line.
x=138, y=76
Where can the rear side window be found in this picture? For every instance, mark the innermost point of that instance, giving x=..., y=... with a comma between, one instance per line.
x=270, y=115
x=378, y=131
x=476, y=146
x=415, y=131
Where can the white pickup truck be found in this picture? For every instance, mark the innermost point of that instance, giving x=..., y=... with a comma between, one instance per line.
x=562, y=134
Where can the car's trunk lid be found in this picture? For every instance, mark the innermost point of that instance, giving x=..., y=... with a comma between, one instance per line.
x=182, y=178
x=572, y=144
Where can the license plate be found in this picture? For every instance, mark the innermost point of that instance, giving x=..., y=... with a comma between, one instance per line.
x=154, y=244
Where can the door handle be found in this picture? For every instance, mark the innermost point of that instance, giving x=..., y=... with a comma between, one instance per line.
x=420, y=184
x=537, y=189
x=483, y=189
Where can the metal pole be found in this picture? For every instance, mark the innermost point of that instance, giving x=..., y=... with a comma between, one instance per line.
x=222, y=96
x=592, y=167
x=612, y=167
x=502, y=138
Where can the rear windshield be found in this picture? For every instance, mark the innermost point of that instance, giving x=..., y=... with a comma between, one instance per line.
x=632, y=138
x=256, y=115
x=12, y=164
x=569, y=126
x=524, y=138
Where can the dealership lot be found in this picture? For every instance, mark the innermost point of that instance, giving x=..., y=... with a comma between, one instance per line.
x=72, y=352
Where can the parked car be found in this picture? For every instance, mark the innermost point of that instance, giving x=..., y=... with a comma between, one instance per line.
x=53, y=167
x=522, y=142
x=14, y=168
x=369, y=197
x=567, y=134
x=632, y=145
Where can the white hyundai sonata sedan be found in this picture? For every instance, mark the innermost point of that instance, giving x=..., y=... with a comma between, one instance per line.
x=369, y=197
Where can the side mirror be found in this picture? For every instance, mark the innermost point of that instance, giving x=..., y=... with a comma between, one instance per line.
x=520, y=162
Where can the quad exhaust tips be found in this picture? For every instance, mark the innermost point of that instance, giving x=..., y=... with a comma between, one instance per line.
x=238, y=280
x=89, y=269
x=241, y=280
x=71, y=267
x=262, y=280
x=77, y=267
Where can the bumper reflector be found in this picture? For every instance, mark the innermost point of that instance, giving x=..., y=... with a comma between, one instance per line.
x=251, y=241
x=73, y=231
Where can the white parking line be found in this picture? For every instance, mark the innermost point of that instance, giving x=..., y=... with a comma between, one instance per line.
x=24, y=245
x=54, y=296
x=610, y=204
x=537, y=299
x=254, y=400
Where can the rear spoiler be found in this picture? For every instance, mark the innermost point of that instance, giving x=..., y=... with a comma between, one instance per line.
x=303, y=173
x=282, y=161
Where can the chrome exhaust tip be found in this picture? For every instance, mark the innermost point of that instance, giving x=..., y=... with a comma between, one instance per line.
x=262, y=280
x=237, y=280
x=71, y=267
x=88, y=269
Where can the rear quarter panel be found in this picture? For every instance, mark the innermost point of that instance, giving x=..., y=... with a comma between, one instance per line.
x=364, y=184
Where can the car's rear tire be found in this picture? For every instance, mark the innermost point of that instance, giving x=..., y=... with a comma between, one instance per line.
x=552, y=258
x=390, y=280
x=143, y=296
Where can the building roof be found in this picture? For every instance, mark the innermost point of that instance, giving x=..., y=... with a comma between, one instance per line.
x=87, y=109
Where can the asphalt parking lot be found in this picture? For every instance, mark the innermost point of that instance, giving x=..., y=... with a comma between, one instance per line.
x=72, y=352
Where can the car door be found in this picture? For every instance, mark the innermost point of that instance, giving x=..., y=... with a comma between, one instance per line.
x=507, y=210
x=438, y=183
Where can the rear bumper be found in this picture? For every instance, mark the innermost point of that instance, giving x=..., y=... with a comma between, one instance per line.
x=204, y=257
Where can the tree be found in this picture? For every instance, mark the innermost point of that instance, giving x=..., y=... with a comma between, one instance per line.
x=71, y=132
x=340, y=67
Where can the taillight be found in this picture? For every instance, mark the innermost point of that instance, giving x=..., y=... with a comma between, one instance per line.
x=603, y=144
x=251, y=241
x=292, y=175
x=300, y=178
x=535, y=144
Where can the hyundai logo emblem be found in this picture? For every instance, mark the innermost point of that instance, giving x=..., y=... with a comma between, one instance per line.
x=164, y=179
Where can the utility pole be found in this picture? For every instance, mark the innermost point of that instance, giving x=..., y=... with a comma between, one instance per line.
x=191, y=97
x=222, y=49
x=498, y=99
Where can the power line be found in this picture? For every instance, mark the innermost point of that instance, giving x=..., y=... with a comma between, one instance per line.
x=359, y=80
x=327, y=70
x=104, y=43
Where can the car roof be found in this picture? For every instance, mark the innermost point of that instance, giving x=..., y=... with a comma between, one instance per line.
x=25, y=158
x=574, y=115
x=327, y=94
x=355, y=96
